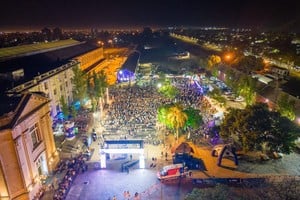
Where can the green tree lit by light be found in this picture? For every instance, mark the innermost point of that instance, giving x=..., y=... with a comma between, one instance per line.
x=213, y=61
x=172, y=116
x=194, y=119
x=176, y=118
x=64, y=107
x=79, y=84
x=168, y=90
x=286, y=106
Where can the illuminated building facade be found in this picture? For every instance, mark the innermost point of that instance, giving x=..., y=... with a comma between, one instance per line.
x=91, y=59
x=28, y=153
x=55, y=84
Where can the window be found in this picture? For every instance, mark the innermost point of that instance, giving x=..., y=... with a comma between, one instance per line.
x=54, y=92
x=57, y=108
x=35, y=135
x=46, y=86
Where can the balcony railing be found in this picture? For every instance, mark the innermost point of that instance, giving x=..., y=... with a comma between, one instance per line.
x=35, y=81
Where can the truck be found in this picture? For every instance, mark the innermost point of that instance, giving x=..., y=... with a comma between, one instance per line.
x=189, y=161
x=172, y=171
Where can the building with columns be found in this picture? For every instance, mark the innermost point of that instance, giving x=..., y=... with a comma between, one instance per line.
x=28, y=153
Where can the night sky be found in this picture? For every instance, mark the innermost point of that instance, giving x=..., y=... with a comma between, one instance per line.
x=32, y=14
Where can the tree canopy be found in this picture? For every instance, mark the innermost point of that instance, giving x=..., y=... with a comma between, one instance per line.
x=168, y=90
x=64, y=107
x=286, y=106
x=246, y=88
x=79, y=84
x=213, y=61
x=256, y=125
x=194, y=119
x=173, y=116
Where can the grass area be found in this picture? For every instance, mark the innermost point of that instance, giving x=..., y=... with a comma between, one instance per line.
x=13, y=51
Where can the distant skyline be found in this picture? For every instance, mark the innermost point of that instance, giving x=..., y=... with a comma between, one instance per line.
x=36, y=14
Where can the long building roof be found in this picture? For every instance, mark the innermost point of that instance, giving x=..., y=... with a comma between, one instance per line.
x=38, y=64
x=131, y=62
x=31, y=49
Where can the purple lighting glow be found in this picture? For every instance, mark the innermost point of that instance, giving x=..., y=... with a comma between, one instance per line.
x=125, y=76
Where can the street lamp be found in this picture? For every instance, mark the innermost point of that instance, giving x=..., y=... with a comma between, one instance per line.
x=228, y=57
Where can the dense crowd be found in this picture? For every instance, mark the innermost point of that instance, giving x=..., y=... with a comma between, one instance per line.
x=71, y=168
x=134, y=109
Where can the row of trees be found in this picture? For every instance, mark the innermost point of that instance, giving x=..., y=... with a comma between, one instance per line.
x=241, y=83
x=238, y=79
x=254, y=128
x=91, y=86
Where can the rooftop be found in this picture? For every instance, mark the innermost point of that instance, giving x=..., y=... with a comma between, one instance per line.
x=9, y=104
x=38, y=64
x=31, y=49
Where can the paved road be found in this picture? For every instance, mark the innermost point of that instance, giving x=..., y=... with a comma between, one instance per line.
x=103, y=184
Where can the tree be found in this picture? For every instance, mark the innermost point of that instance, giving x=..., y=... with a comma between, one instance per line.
x=73, y=111
x=213, y=61
x=79, y=84
x=256, y=126
x=241, y=84
x=230, y=79
x=91, y=91
x=162, y=113
x=248, y=64
x=64, y=107
x=286, y=106
x=176, y=118
x=100, y=84
x=246, y=88
x=168, y=90
x=194, y=119
x=283, y=134
x=96, y=84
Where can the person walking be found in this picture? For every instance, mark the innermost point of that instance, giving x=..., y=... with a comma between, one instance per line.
x=125, y=195
x=128, y=195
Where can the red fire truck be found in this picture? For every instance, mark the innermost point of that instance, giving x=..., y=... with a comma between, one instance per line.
x=172, y=171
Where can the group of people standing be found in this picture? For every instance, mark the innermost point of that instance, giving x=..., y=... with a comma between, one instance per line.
x=133, y=109
x=72, y=168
